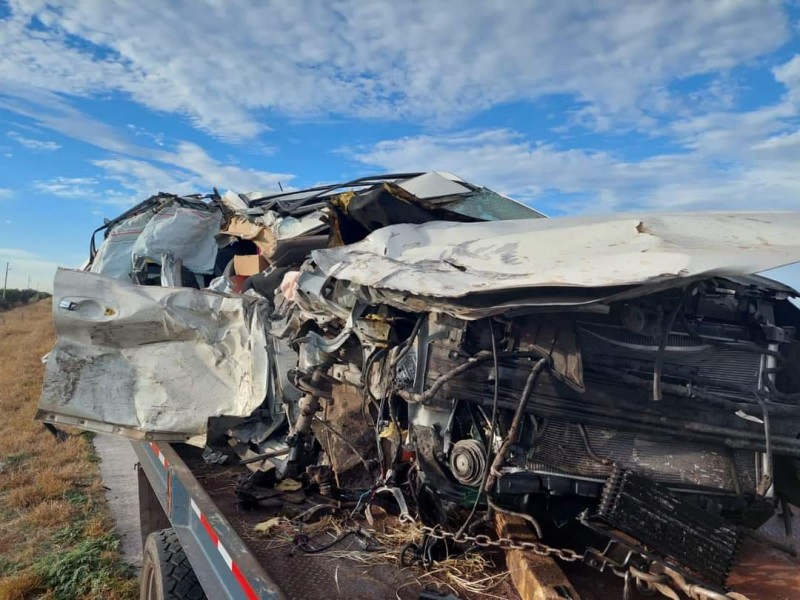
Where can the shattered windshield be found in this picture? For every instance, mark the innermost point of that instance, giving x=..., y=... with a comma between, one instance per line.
x=487, y=205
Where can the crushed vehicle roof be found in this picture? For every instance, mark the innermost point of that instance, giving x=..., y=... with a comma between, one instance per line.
x=439, y=260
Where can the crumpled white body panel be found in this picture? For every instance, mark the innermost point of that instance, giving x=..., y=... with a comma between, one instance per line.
x=115, y=256
x=186, y=233
x=151, y=359
x=448, y=260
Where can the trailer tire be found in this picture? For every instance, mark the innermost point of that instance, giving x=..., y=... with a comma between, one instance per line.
x=166, y=571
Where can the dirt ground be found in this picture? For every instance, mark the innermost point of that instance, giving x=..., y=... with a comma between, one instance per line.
x=56, y=532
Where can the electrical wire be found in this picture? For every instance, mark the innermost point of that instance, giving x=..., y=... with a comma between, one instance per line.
x=767, y=477
x=408, y=343
x=513, y=431
x=491, y=431
x=305, y=548
x=589, y=450
x=365, y=391
x=471, y=363
x=360, y=500
x=378, y=437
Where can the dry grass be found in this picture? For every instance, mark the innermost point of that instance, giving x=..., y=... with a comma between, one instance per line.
x=471, y=575
x=56, y=535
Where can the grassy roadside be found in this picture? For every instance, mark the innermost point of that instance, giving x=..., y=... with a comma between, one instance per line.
x=56, y=534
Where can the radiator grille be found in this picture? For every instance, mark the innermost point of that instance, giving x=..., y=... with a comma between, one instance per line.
x=684, y=355
x=562, y=450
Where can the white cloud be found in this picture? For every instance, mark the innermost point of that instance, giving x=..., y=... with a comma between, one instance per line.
x=188, y=169
x=16, y=254
x=195, y=160
x=68, y=187
x=727, y=160
x=48, y=110
x=31, y=144
x=6, y=193
x=141, y=179
x=157, y=138
x=140, y=170
x=505, y=161
x=789, y=75
x=227, y=64
x=591, y=180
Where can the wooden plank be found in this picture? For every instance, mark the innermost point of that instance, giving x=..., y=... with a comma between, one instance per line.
x=535, y=577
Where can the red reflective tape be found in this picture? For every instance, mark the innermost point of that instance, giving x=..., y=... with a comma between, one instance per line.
x=248, y=591
x=210, y=530
x=159, y=455
x=237, y=573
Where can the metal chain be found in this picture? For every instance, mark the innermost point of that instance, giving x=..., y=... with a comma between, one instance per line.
x=665, y=582
x=504, y=543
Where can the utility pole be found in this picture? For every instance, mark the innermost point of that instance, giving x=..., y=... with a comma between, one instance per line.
x=5, y=282
x=29, y=283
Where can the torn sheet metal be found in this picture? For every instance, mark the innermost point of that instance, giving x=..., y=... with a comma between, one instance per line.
x=186, y=233
x=284, y=228
x=150, y=359
x=115, y=256
x=234, y=201
x=443, y=260
x=434, y=185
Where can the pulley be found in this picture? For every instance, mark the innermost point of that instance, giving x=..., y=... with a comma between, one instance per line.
x=468, y=462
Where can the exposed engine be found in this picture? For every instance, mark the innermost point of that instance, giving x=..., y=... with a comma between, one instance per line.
x=689, y=389
x=662, y=385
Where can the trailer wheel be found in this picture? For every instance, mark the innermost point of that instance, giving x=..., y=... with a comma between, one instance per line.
x=166, y=571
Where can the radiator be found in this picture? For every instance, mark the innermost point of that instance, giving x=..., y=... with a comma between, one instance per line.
x=679, y=464
x=686, y=358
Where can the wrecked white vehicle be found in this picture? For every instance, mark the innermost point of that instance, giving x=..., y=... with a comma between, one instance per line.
x=626, y=385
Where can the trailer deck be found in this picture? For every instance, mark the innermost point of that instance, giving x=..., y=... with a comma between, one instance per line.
x=233, y=562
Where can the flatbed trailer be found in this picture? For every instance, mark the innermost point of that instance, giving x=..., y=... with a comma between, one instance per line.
x=171, y=497
x=179, y=492
x=201, y=545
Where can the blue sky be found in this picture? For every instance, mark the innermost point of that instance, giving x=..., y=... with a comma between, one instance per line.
x=574, y=107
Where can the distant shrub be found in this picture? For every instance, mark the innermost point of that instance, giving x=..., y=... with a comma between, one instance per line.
x=15, y=297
